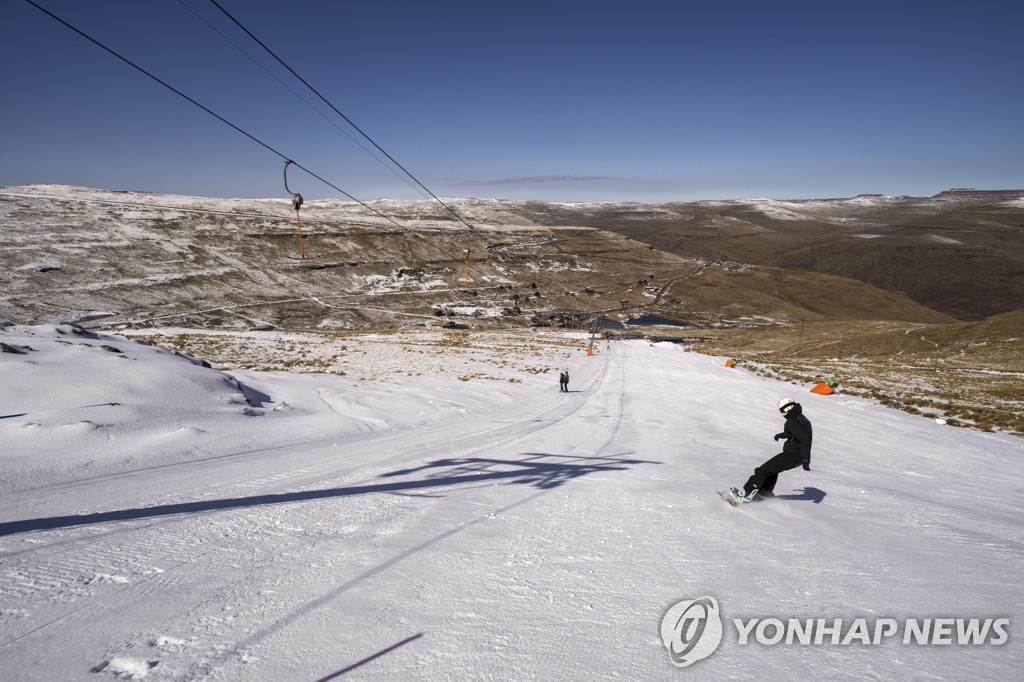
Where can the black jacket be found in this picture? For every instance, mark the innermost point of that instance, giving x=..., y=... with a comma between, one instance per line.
x=798, y=434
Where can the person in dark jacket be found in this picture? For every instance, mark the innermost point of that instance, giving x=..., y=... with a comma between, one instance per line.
x=796, y=451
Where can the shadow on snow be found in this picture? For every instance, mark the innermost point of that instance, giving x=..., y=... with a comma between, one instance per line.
x=816, y=495
x=535, y=469
x=366, y=660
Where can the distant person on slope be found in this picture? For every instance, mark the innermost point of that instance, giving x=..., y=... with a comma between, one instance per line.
x=565, y=381
x=796, y=451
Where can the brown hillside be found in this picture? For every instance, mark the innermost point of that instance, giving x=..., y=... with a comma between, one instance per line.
x=968, y=373
x=960, y=253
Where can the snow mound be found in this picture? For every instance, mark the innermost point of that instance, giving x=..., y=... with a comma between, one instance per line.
x=125, y=668
x=70, y=390
x=79, y=404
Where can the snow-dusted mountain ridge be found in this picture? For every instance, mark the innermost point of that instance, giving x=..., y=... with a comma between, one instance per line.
x=238, y=263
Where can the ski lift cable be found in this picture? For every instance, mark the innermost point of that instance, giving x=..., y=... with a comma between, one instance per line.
x=208, y=110
x=232, y=125
x=243, y=132
x=347, y=119
x=155, y=78
x=307, y=102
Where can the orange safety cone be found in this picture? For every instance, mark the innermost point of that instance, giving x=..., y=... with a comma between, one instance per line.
x=821, y=388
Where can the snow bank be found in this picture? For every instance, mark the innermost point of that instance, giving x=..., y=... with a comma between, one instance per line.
x=79, y=403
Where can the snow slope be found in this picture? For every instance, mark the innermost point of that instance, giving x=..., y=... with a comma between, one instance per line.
x=420, y=527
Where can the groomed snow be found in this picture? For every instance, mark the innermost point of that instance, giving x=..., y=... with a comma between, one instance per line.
x=154, y=524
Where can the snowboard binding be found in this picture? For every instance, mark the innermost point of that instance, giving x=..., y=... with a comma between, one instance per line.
x=737, y=496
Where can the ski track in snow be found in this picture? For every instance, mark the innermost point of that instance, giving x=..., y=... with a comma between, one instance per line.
x=542, y=538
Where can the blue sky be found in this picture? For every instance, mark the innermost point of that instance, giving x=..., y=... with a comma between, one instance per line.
x=576, y=101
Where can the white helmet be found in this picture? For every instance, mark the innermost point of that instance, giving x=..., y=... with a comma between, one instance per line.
x=786, y=404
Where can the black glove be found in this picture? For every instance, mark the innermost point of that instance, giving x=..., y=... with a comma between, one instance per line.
x=780, y=435
x=807, y=465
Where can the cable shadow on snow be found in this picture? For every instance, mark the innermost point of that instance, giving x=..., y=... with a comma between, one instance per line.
x=815, y=495
x=366, y=660
x=531, y=471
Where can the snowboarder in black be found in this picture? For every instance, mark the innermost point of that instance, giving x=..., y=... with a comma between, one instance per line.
x=796, y=451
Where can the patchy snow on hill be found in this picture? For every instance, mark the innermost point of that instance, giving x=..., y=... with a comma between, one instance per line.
x=779, y=210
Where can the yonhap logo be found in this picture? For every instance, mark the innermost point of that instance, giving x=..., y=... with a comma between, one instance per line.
x=691, y=630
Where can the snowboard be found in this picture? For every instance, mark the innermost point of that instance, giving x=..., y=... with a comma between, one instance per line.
x=736, y=501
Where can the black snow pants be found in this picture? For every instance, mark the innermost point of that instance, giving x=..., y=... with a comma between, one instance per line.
x=766, y=475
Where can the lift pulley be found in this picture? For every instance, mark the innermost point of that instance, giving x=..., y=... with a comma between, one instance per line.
x=296, y=203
